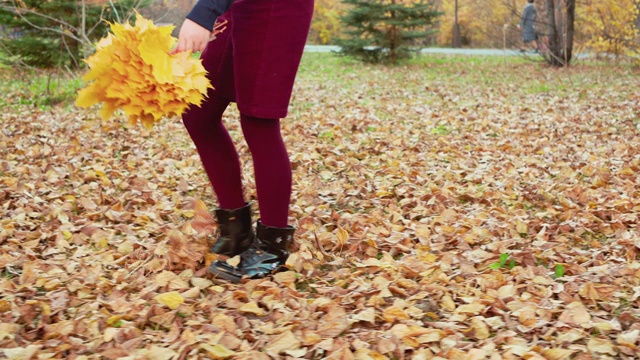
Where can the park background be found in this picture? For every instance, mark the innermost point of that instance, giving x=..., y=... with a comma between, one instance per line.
x=447, y=207
x=483, y=23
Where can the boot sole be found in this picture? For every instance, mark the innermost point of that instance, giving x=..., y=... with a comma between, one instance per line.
x=223, y=274
x=227, y=274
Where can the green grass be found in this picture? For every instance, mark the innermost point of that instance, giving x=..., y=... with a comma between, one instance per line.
x=438, y=85
x=528, y=76
x=426, y=73
x=37, y=88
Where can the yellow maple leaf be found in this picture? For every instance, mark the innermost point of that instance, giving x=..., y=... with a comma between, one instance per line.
x=87, y=96
x=171, y=299
x=133, y=70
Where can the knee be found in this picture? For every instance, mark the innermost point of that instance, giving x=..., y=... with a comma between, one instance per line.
x=254, y=124
x=206, y=117
x=192, y=123
x=260, y=130
x=200, y=128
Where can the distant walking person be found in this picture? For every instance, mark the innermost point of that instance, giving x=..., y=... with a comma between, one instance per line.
x=527, y=24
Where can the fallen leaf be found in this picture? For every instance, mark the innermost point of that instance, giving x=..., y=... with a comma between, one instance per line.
x=21, y=353
x=601, y=346
x=366, y=315
x=234, y=261
x=393, y=314
x=218, y=351
x=576, y=314
x=558, y=354
x=252, y=308
x=171, y=299
x=286, y=341
x=158, y=353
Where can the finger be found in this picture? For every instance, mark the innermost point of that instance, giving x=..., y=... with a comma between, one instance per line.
x=178, y=47
x=203, y=44
x=189, y=45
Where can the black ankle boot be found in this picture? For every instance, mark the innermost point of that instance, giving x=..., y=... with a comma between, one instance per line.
x=236, y=231
x=267, y=255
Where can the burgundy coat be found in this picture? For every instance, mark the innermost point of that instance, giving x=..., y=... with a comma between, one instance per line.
x=255, y=60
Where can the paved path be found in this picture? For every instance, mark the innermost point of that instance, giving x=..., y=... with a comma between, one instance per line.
x=450, y=51
x=485, y=52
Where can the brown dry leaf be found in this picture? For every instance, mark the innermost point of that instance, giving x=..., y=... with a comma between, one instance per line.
x=410, y=182
x=159, y=353
x=28, y=275
x=234, y=261
x=571, y=335
x=593, y=291
x=4, y=306
x=335, y=322
x=415, y=336
x=203, y=221
x=602, y=346
x=628, y=338
x=284, y=342
x=217, y=351
x=576, y=314
x=480, y=329
x=366, y=315
x=448, y=303
x=393, y=314
x=527, y=315
x=386, y=346
x=473, y=308
x=558, y=354
x=366, y=354
x=225, y=322
x=423, y=232
x=252, y=308
x=343, y=237
x=477, y=354
x=21, y=353
x=201, y=283
x=286, y=278
x=163, y=278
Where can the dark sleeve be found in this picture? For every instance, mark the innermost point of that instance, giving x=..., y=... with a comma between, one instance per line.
x=534, y=15
x=526, y=15
x=205, y=12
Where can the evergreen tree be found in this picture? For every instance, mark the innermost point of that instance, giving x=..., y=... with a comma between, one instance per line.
x=56, y=33
x=385, y=30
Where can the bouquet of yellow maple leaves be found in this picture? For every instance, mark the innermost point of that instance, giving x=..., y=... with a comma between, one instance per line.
x=133, y=70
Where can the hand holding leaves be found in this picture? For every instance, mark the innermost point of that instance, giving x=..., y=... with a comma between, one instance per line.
x=133, y=70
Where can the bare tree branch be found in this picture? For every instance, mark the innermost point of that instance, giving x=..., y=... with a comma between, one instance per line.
x=20, y=10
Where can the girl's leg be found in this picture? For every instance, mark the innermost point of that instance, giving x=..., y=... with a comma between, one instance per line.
x=272, y=168
x=217, y=151
x=273, y=182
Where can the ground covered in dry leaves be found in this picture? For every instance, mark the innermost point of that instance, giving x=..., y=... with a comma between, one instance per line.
x=449, y=208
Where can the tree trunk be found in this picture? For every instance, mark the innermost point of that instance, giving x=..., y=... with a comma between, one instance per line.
x=569, y=30
x=455, y=32
x=560, y=31
x=392, y=38
x=393, y=45
x=552, y=32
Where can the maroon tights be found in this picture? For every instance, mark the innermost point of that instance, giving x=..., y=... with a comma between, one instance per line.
x=221, y=163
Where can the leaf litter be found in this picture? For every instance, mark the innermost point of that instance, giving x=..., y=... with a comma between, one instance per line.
x=409, y=188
